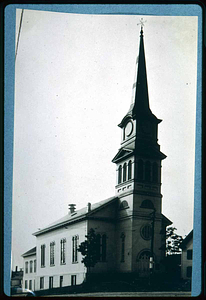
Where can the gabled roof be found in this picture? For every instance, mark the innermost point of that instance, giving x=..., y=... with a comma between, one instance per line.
x=76, y=216
x=166, y=220
x=186, y=240
x=143, y=151
x=30, y=252
x=122, y=153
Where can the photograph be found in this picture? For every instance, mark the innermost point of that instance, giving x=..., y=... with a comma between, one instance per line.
x=104, y=145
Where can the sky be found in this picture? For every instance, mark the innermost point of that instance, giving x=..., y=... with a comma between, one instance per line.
x=73, y=85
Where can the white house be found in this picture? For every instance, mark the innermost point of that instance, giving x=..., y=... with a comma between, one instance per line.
x=186, y=256
x=130, y=225
x=29, y=278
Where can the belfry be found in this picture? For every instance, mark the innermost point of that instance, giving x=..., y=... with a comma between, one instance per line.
x=138, y=185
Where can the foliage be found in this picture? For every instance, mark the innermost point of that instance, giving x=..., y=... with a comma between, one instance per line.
x=89, y=249
x=173, y=241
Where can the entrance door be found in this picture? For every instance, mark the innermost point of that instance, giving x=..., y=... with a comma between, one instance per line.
x=143, y=263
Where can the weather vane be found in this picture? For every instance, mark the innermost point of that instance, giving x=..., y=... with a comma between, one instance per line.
x=142, y=21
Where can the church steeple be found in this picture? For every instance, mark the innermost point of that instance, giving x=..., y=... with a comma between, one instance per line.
x=139, y=146
x=139, y=108
x=141, y=104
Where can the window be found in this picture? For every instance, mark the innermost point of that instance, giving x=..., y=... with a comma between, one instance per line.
x=124, y=172
x=61, y=281
x=122, y=246
x=98, y=247
x=26, y=284
x=148, y=171
x=129, y=170
x=52, y=253
x=73, y=279
x=154, y=172
x=140, y=169
x=26, y=267
x=189, y=254
x=51, y=282
x=104, y=247
x=62, y=251
x=41, y=282
x=30, y=284
x=101, y=247
x=123, y=204
x=120, y=174
x=144, y=255
x=35, y=266
x=74, y=248
x=31, y=266
x=43, y=255
x=147, y=204
x=146, y=232
x=189, y=271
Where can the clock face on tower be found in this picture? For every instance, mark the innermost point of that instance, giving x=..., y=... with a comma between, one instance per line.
x=128, y=129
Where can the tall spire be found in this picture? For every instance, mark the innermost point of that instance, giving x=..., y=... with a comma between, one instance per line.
x=139, y=107
x=141, y=102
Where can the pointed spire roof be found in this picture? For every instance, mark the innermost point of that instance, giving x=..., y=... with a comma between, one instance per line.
x=140, y=109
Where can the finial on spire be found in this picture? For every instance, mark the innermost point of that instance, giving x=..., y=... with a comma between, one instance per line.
x=142, y=24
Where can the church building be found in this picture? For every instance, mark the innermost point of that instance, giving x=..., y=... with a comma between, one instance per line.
x=130, y=225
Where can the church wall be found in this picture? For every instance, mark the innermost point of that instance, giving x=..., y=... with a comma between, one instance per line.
x=140, y=244
x=107, y=212
x=107, y=228
x=156, y=201
x=58, y=269
x=124, y=252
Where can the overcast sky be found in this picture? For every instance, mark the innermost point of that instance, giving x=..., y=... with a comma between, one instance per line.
x=73, y=85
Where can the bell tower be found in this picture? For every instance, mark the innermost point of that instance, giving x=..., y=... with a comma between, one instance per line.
x=138, y=184
x=139, y=158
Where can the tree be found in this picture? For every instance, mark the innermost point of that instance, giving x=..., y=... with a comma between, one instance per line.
x=173, y=241
x=90, y=249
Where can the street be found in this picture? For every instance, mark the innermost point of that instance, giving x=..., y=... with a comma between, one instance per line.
x=127, y=294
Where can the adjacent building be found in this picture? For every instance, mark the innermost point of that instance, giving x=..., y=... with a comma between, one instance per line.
x=16, y=278
x=130, y=225
x=186, y=257
x=29, y=264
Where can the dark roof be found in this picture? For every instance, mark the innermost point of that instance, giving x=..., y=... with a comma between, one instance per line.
x=186, y=240
x=30, y=252
x=166, y=220
x=75, y=216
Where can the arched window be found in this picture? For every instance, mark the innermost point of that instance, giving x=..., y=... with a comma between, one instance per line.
x=124, y=204
x=124, y=172
x=146, y=232
x=147, y=204
x=140, y=169
x=154, y=172
x=148, y=171
x=130, y=170
x=104, y=247
x=145, y=254
x=120, y=174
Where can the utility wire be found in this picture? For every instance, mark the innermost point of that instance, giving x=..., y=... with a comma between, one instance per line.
x=19, y=33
